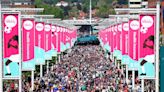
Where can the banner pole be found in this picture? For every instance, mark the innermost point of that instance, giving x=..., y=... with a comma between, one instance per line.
x=142, y=85
x=41, y=70
x=133, y=79
x=1, y=80
x=32, y=80
x=20, y=52
x=47, y=66
x=127, y=74
x=157, y=46
x=59, y=58
x=117, y=64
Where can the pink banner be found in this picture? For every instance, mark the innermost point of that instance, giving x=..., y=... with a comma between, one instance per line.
x=54, y=36
x=133, y=39
x=28, y=39
x=47, y=30
x=71, y=32
x=115, y=37
x=119, y=36
x=62, y=34
x=109, y=36
x=39, y=34
x=111, y=39
x=147, y=25
x=11, y=48
x=10, y=25
x=67, y=36
x=125, y=30
x=58, y=38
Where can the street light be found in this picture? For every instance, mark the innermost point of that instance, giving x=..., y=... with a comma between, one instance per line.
x=90, y=16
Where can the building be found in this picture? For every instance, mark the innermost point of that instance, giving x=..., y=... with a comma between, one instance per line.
x=17, y=3
x=62, y=3
x=135, y=3
x=144, y=3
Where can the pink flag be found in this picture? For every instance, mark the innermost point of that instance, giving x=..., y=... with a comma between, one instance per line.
x=39, y=35
x=47, y=29
x=54, y=36
x=111, y=39
x=125, y=30
x=58, y=38
x=133, y=39
x=115, y=37
x=10, y=43
x=109, y=36
x=11, y=47
x=146, y=45
x=119, y=36
x=28, y=39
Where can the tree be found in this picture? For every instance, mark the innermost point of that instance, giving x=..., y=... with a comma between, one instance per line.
x=104, y=11
x=56, y=11
x=74, y=12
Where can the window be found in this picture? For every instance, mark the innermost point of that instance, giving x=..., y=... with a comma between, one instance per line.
x=135, y=2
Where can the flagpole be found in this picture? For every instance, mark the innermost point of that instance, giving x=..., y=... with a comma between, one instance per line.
x=1, y=80
x=157, y=46
x=90, y=16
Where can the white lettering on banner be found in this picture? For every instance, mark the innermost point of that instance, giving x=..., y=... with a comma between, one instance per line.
x=134, y=25
x=53, y=28
x=28, y=25
x=28, y=45
x=147, y=21
x=120, y=28
x=39, y=26
x=126, y=44
x=126, y=27
x=115, y=28
x=39, y=40
x=47, y=41
x=10, y=22
x=121, y=43
x=134, y=44
x=47, y=28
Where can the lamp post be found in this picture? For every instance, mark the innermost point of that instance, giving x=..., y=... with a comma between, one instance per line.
x=90, y=16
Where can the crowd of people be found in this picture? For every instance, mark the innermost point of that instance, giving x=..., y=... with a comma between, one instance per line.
x=84, y=69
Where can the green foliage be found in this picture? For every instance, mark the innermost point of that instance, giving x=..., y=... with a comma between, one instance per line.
x=48, y=9
x=73, y=12
x=103, y=7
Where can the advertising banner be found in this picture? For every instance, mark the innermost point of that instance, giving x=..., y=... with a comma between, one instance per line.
x=58, y=38
x=67, y=39
x=119, y=40
x=11, y=46
x=146, y=46
x=28, y=29
x=106, y=42
x=39, y=43
x=125, y=29
x=134, y=26
x=47, y=35
x=63, y=44
x=54, y=42
x=115, y=41
x=111, y=39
